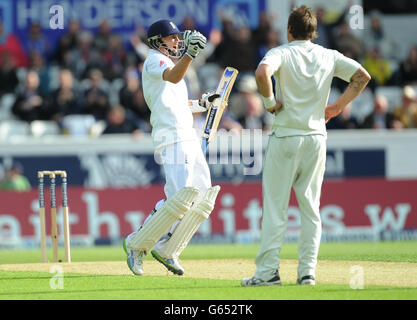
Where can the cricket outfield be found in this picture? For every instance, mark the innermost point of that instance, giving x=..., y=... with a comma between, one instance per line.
x=345, y=271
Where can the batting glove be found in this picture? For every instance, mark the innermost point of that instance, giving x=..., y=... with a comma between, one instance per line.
x=207, y=98
x=195, y=43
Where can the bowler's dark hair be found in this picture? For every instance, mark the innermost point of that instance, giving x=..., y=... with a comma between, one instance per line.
x=302, y=23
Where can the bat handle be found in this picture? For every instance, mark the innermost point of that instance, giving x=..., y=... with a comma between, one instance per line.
x=204, y=144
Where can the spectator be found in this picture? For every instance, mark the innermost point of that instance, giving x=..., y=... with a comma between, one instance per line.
x=115, y=57
x=132, y=99
x=378, y=67
x=245, y=85
x=36, y=41
x=102, y=37
x=8, y=74
x=345, y=120
x=408, y=68
x=14, y=180
x=407, y=112
x=37, y=63
x=84, y=57
x=65, y=100
x=237, y=48
x=247, y=106
x=255, y=116
x=188, y=23
x=230, y=123
x=239, y=51
x=28, y=104
x=376, y=37
x=346, y=41
x=117, y=123
x=325, y=30
x=260, y=33
x=272, y=40
x=10, y=44
x=68, y=41
x=96, y=100
x=138, y=42
x=380, y=117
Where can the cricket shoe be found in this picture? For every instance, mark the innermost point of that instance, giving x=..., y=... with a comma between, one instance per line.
x=306, y=281
x=134, y=259
x=171, y=264
x=256, y=282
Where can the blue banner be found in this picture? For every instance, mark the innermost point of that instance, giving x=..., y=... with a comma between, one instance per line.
x=123, y=15
x=121, y=170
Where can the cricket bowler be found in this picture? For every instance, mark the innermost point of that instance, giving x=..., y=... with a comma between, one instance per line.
x=296, y=153
x=189, y=195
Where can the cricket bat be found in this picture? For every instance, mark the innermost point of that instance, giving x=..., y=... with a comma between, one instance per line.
x=218, y=106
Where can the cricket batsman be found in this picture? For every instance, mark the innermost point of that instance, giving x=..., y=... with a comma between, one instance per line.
x=296, y=153
x=189, y=195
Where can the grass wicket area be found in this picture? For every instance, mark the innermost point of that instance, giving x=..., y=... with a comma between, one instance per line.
x=346, y=271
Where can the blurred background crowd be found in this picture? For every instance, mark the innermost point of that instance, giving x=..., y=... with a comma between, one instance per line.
x=90, y=83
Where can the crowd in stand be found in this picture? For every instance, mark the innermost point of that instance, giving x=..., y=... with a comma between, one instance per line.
x=99, y=75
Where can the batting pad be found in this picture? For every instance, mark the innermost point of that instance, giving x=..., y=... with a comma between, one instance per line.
x=189, y=224
x=173, y=209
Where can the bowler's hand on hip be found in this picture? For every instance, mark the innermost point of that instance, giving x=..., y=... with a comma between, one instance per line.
x=275, y=108
x=332, y=110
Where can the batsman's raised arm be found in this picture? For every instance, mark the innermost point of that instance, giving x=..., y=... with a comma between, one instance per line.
x=357, y=83
x=263, y=80
x=177, y=73
x=195, y=43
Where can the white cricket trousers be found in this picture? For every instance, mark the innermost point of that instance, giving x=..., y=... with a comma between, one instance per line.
x=291, y=162
x=185, y=166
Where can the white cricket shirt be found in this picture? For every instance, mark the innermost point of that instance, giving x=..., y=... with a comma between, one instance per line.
x=303, y=73
x=171, y=117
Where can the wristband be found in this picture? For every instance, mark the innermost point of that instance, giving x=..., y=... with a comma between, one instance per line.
x=196, y=107
x=269, y=102
x=195, y=103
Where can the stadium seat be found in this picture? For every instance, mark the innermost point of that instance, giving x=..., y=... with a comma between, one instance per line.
x=77, y=124
x=393, y=95
x=39, y=128
x=6, y=104
x=9, y=128
x=97, y=128
x=115, y=86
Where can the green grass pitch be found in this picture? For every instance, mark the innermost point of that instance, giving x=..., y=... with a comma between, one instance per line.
x=21, y=285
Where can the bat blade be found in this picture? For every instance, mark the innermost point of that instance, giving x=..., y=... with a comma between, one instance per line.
x=218, y=106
